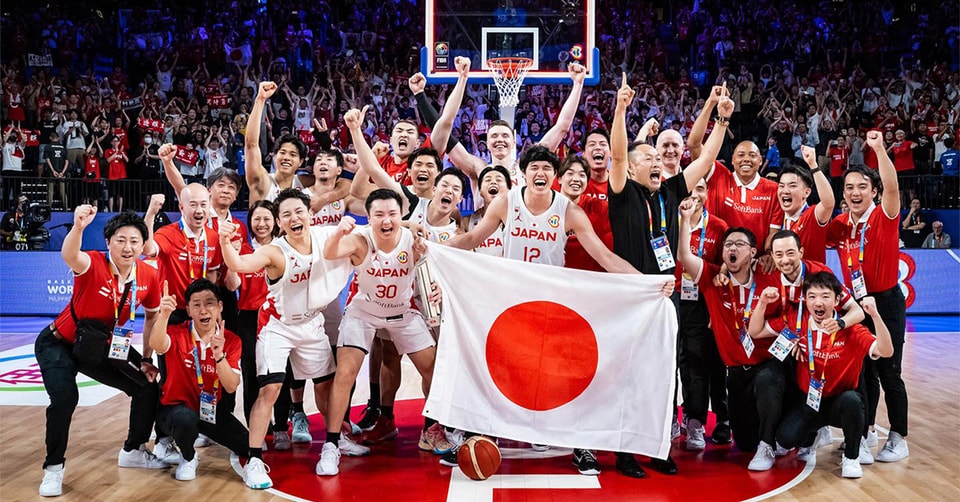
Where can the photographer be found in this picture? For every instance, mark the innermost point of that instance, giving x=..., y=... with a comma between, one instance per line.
x=14, y=224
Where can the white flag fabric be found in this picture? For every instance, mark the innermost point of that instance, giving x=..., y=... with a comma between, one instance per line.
x=241, y=55
x=550, y=355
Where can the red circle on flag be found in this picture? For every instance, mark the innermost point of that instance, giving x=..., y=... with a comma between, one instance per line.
x=541, y=355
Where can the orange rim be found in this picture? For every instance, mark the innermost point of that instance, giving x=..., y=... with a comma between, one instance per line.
x=509, y=67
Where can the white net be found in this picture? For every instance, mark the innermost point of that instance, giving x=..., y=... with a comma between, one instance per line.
x=508, y=74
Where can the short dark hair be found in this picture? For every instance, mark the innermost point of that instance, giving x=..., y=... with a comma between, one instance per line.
x=201, y=285
x=800, y=172
x=333, y=152
x=786, y=234
x=538, y=153
x=499, y=169
x=425, y=152
x=290, y=193
x=266, y=204
x=822, y=280
x=752, y=239
x=453, y=171
x=569, y=161
x=404, y=121
x=948, y=142
x=872, y=175
x=127, y=218
x=634, y=145
x=382, y=194
x=296, y=142
x=599, y=130
x=223, y=172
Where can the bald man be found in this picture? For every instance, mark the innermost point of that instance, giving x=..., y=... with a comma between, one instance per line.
x=644, y=211
x=670, y=148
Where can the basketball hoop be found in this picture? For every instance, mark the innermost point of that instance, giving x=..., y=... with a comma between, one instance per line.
x=508, y=74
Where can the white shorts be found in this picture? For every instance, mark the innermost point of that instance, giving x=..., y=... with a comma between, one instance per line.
x=408, y=331
x=305, y=344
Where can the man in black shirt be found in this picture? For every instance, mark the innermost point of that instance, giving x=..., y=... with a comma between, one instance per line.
x=56, y=165
x=644, y=208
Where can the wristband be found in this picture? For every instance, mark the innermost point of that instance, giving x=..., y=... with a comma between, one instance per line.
x=722, y=121
x=815, y=170
x=224, y=356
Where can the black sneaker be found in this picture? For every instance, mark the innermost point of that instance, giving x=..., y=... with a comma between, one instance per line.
x=628, y=466
x=449, y=459
x=722, y=433
x=586, y=462
x=370, y=416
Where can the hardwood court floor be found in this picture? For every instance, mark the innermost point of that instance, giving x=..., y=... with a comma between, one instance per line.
x=931, y=369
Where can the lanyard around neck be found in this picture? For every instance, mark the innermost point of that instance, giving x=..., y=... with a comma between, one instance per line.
x=203, y=272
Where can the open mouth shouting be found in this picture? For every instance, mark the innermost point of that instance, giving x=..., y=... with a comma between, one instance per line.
x=205, y=321
x=494, y=190
x=296, y=228
x=423, y=178
x=540, y=182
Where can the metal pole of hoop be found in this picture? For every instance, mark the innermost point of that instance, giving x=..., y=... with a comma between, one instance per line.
x=508, y=74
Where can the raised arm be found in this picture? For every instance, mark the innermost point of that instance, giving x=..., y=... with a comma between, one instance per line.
x=268, y=257
x=618, y=137
x=695, y=139
x=441, y=130
x=492, y=219
x=756, y=328
x=77, y=260
x=580, y=225
x=824, y=210
x=890, y=199
x=159, y=339
x=708, y=155
x=552, y=138
x=884, y=342
x=256, y=175
x=369, y=165
x=343, y=243
x=691, y=262
x=167, y=153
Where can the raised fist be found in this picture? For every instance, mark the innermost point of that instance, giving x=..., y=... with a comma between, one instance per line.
x=266, y=90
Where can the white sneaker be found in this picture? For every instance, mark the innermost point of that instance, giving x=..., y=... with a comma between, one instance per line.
x=872, y=440
x=255, y=474
x=807, y=454
x=352, y=449
x=141, y=458
x=895, y=449
x=329, y=464
x=52, y=484
x=866, y=456
x=824, y=437
x=166, y=450
x=695, y=432
x=674, y=430
x=455, y=437
x=281, y=440
x=203, y=442
x=301, y=428
x=851, y=468
x=781, y=451
x=763, y=459
x=187, y=470
x=539, y=447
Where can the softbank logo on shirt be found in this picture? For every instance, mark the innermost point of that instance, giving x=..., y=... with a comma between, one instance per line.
x=105, y=291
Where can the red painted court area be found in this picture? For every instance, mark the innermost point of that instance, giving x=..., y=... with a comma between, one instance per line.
x=398, y=471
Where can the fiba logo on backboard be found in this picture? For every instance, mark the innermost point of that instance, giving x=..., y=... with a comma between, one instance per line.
x=577, y=52
x=441, y=49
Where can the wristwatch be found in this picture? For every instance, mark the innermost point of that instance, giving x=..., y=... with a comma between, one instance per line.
x=224, y=356
x=841, y=323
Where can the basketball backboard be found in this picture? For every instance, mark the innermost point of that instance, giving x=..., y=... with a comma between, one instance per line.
x=553, y=33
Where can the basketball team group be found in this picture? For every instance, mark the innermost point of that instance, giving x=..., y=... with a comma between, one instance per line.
x=769, y=339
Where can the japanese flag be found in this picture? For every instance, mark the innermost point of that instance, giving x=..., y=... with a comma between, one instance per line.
x=554, y=356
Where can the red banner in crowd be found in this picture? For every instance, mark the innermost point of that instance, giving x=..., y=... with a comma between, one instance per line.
x=188, y=156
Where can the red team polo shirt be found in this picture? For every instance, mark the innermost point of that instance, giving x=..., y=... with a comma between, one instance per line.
x=813, y=236
x=96, y=294
x=575, y=256
x=754, y=206
x=253, y=287
x=839, y=364
x=180, y=382
x=181, y=256
x=786, y=308
x=881, y=248
x=711, y=245
x=399, y=171
x=726, y=305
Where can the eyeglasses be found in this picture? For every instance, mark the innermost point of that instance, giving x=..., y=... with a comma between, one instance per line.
x=735, y=244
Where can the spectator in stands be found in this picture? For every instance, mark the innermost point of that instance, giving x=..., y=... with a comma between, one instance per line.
x=914, y=224
x=938, y=239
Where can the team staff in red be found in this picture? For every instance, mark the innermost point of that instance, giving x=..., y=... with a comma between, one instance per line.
x=702, y=371
x=828, y=371
x=185, y=251
x=204, y=363
x=808, y=221
x=574, y=181
x=98, y=293
x=867, y=241
x=756, y=382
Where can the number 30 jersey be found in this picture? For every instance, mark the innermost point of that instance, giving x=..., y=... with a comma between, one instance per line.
x=385, y=279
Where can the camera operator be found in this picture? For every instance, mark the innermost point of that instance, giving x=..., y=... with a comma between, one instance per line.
x=13, y=228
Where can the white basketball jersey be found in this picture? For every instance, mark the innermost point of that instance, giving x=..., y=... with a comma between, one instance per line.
x=329, y=215
x=275, y=188
x=437, y=234
x=516, y=175
x=492, y=245
x=309, y=282
x=536, y=239
x=385, y=280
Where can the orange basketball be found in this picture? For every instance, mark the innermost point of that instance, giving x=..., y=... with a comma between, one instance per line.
x=479, y=458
